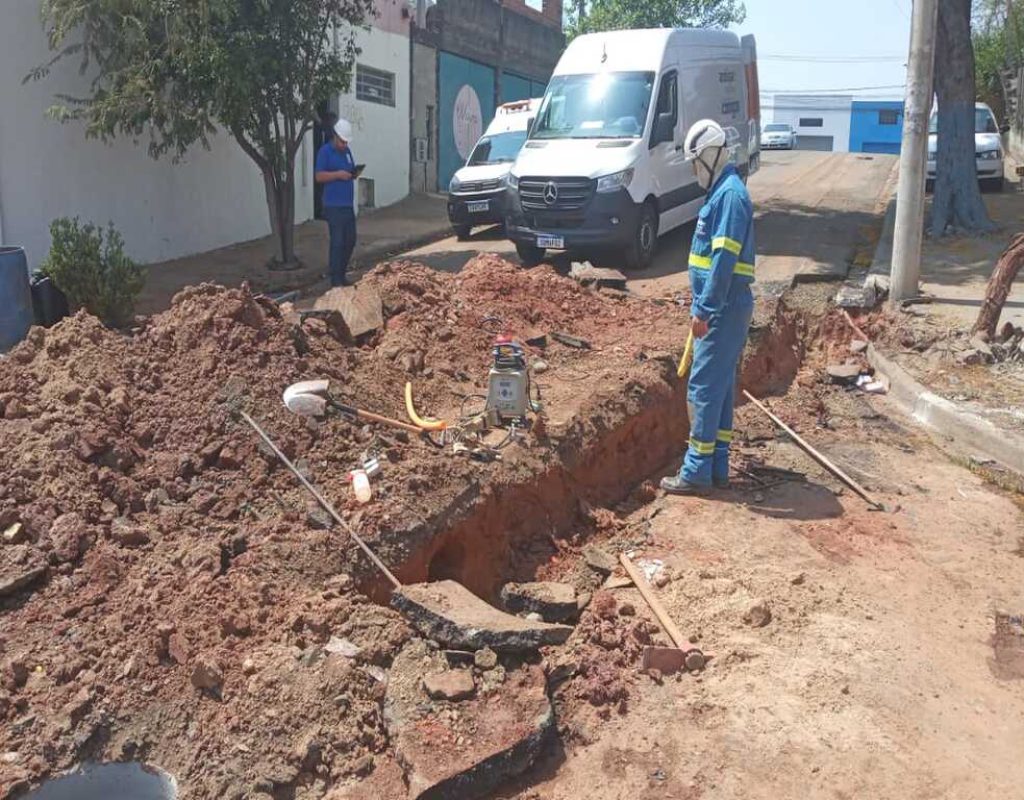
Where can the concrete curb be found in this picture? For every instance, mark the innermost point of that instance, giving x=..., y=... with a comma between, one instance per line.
x=369, y=258
x=972, y=435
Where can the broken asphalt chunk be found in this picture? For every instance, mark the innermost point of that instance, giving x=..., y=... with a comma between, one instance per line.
x=449, y=613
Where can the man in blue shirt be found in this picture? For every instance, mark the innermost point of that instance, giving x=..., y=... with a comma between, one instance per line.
x=721, y=274
x=336, y=170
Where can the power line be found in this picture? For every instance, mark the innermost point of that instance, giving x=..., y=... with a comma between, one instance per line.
x=833, y=91
x=830, y=59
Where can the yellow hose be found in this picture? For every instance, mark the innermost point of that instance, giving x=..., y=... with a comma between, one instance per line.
x=425, y=424
x=687, y=359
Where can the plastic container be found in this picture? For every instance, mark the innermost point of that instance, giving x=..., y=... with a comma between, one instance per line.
x=361, y=486
x=15, y=297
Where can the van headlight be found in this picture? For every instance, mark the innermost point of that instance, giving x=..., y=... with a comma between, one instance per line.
x=990, y=155
x=511, y=181
x=616, y=181
x=454, y=186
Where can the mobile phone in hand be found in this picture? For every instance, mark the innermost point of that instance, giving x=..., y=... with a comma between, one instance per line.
x=358, y=170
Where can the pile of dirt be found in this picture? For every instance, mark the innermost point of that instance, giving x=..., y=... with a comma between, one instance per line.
x=167, y=592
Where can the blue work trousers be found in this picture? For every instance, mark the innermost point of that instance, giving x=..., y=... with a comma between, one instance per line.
x=711, y=395
x=341, y=224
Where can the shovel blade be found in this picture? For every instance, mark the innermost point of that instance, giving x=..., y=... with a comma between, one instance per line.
x=307, y=398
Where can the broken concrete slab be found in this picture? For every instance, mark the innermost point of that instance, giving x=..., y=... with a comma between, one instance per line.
x=360, y=306
x=19, y=578
x=452, y=684
x=588, y=275
x=449, y=613
x=490, y=738
x=843, y=374
x=555, y=602
x=600, y=560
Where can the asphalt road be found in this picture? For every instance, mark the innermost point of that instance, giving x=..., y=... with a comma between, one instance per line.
x=812, y=211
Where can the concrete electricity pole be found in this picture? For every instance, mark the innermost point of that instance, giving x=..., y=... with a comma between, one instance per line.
x=906, y=246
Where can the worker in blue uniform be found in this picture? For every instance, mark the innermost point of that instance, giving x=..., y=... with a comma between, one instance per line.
x=721, y=274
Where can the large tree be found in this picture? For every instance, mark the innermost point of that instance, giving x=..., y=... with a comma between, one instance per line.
x=613, y=15
x=177, y=70
x=957, y=203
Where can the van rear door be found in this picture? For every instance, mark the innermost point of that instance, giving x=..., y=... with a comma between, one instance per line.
x=749, y=47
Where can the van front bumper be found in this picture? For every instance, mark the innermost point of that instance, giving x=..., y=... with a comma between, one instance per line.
x=465, y=209
x=607, y=220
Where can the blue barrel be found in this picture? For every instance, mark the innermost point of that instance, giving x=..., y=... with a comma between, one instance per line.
x=15, y=297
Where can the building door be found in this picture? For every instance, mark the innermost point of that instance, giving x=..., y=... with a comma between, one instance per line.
x=821, y=143
x=466, y=108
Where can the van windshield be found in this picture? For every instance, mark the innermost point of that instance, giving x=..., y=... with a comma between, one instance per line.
x=608, y=105
x=501, y=148
x=984, y=122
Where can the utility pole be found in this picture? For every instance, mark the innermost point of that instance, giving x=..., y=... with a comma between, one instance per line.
x=906, y=245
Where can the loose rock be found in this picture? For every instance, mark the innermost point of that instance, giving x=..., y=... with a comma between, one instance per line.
x=758, y=615
x=207, y=675
x=599, y=560
x=485, y=659
x=454, y=685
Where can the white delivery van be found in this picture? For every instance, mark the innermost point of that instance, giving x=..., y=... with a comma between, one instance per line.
x=476, y=193
x=604, y=166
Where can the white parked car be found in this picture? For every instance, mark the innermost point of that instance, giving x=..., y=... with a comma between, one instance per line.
x=988, y=147
x=778, y=136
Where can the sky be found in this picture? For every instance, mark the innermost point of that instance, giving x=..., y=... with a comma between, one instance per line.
x=832, y=46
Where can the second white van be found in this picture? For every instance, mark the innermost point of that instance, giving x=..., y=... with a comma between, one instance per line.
x=604, y=166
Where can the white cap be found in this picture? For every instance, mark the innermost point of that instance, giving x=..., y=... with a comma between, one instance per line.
x=343, y=130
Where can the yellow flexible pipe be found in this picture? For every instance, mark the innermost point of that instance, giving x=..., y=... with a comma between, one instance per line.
x=425, y=424
x=687, y=359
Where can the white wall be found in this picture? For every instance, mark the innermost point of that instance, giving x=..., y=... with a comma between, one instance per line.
x=381, y=137
x=48, y=169
x=835, y=112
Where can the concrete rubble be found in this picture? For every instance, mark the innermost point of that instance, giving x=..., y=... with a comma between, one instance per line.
x=555, y=602
x=486, y=739
x=448, y=613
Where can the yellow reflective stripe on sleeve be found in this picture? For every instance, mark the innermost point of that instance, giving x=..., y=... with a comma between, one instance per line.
x=702, y=448
x=724, y=436
x=704, y=262
x=725, y=243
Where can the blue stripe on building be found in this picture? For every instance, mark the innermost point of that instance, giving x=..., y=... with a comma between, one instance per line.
x=876, y=126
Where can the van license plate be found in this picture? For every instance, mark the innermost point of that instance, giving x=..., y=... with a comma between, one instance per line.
x=556, y=242
x=478, y=206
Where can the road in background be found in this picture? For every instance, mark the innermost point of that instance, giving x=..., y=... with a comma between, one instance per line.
x=813, y=209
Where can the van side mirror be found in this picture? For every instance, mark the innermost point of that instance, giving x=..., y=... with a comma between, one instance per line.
x=1004, y=128
x=664, y=129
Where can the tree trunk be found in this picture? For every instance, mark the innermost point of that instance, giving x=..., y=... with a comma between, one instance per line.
x=957, y=201
x=281, y=208
x=999, y=284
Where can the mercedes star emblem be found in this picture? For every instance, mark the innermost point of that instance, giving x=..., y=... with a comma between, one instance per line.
x=551, y=193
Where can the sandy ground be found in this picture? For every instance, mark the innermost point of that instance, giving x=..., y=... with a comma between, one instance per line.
x=877, y=675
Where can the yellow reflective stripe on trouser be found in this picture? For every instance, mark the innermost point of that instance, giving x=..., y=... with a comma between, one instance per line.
x=704, y=262
x=725, y=243
x=702, y=448
x=723, y=437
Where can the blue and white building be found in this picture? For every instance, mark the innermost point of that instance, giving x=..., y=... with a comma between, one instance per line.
x=840, y=123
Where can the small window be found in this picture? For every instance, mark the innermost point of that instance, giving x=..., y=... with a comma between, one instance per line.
x=888, y=117
x=668, y=96
x=812, y=122
x=375, y=85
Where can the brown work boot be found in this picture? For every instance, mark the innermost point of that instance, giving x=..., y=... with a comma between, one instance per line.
x=678, y=486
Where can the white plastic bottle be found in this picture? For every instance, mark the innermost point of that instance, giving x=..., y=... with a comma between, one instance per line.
x=361, y=486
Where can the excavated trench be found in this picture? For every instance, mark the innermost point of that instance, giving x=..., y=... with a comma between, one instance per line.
x=616, y=442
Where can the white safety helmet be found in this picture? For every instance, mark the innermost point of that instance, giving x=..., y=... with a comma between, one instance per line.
x=343, y=130
x=706, y=144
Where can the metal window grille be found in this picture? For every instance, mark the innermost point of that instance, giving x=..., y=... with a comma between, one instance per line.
x=375, y=85
x=888, y=116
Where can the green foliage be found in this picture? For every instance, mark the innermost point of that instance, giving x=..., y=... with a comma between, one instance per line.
x=92, y=269
x=174, y=70
x=614, y=15
x=997, y=32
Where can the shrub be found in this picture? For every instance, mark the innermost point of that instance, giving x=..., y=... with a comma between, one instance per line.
x=89, y=265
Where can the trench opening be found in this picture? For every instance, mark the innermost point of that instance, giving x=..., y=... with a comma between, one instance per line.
x=511, y=532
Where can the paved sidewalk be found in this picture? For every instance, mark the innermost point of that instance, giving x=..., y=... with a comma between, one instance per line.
x=414, y=221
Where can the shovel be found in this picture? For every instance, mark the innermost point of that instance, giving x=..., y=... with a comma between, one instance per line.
x=314, y=399
x=444, y=611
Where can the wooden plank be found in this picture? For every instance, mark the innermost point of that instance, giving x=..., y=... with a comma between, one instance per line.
x=647, y=592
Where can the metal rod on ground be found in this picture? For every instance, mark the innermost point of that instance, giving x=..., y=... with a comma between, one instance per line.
x=659, y=610
x=322, y=500
x=807, y=448
x=906, y=245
